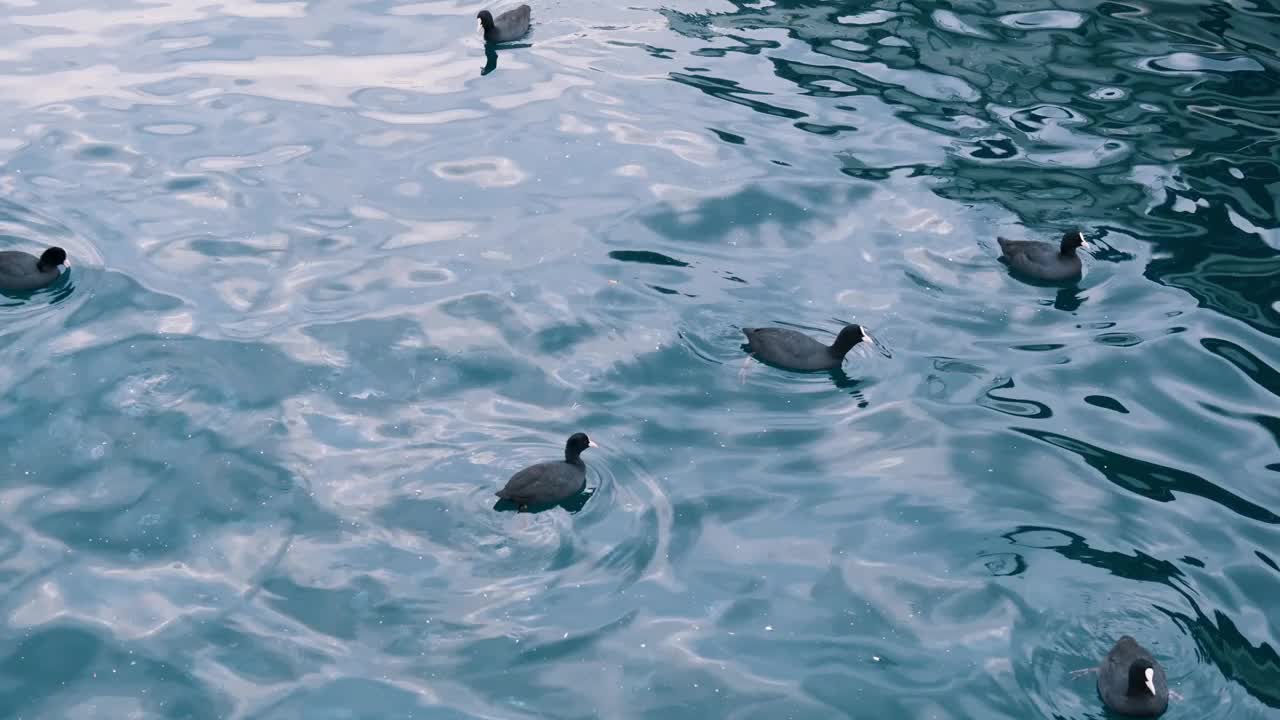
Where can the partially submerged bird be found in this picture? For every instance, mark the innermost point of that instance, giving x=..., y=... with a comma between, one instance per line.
x=553, y=482
x=1131, y=682
x=508, y=26
x=23, y=271
x=1045, y=261
x=793, y=350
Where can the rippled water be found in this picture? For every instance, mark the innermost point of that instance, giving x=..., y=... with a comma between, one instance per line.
x=337, y=273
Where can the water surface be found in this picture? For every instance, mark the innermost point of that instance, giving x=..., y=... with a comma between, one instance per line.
x=337, y=273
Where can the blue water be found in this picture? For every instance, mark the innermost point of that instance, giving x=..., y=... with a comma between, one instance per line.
x=336, y=274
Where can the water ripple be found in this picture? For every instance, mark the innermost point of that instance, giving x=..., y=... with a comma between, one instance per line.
x=339, y=271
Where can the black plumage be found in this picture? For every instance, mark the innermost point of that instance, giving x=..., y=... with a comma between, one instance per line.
x=1131, y=682
x=21, y=271
x=1045, y=261
x=793, y=350
x=550, y=482
x=510, y=25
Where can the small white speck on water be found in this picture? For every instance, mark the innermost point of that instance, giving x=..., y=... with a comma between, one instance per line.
x=768, y=628
x=876, y=658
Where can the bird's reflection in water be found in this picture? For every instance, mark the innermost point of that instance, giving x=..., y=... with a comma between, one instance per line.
x=1069, y=299
x=573, y=505
x=854, y=386
x=491, y=55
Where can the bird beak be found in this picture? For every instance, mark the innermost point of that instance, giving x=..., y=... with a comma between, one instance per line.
x=875, y=343
x=1085, y=244
x=592, y=443
x=1152, y=687
x=1150, y=680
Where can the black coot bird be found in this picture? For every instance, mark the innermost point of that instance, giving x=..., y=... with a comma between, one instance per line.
x=510, y=25
x=1045, y=261
x=792, y=350
x=549, y=483
x=23, y=271
x=1131, y=682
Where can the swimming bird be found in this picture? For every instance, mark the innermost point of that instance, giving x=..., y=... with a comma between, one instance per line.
x=550, y=482
x=1131, y=682
x=510, y=25
x=1043, y=261
x=792, y=350
x=24, y=271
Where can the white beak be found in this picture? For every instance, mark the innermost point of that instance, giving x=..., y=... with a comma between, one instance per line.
x=592, y=443
x=1150, y=684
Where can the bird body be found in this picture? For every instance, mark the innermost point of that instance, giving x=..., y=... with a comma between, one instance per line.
x=1045, y=261
x=793, y=350
x=506, y=27
x=1131, y=682
x=20, y=271
x=553, y=482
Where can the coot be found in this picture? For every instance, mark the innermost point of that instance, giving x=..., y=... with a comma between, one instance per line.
x=510, y=25
x=23, y=271
x=1045, y=261
x=792, y=350
x=550, y=482
x=1131, y=682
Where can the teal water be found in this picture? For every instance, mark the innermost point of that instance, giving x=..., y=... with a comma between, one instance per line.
x=332, y=285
